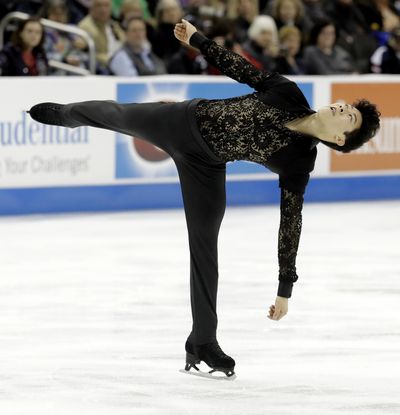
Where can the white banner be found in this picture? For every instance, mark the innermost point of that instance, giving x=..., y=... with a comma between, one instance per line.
x=37, y=155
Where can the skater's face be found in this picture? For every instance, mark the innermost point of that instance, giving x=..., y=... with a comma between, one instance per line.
x=31, y=35
x=339, y=118
x=136, y=34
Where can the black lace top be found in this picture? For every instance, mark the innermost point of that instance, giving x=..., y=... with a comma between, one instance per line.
x=252, y=127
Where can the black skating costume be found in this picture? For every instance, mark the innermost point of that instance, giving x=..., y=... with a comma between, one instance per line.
x=201, y=135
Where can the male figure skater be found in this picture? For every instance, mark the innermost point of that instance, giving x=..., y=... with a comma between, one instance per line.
x=273, y=126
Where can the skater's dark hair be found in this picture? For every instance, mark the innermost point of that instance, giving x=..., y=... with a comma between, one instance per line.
x=16, y=36
x=369, y=127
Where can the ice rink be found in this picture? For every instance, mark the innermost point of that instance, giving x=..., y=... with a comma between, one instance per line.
x=95, y=311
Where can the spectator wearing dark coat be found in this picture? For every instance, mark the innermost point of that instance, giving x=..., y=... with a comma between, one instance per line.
x=313, y=12
x=247, y=11
x=324, y=57
x=168, y=13
x=386, y=59
x=188, y=60
x=25, y=55
x=354, y=35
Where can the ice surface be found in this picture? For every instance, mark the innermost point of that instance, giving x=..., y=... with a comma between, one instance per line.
x=94, y=313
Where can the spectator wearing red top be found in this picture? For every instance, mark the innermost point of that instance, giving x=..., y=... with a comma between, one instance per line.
x=25, y=55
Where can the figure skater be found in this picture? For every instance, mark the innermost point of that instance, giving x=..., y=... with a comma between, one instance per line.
x=273, y=126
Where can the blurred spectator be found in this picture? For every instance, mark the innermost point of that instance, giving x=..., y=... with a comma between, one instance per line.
x=220, y=8
x=247, y=11
x=135, y=58
x=206, y=9
x=133, y=8
x=289, y=61
x=288, y=13
x=117, y=6
x=390, y=17
x=152, y=4
x=386, y=59
x=187, y=60
x=77, y=8
x=25, y=56
x=222, y=34
x=106, y=33
x=313, y=12
x=205, y=13
x=168, y=13
x=353, y=32
x=128, y=9
x=262, y=47
x=324, y=57
x=31, y=7
x=62, y=46
x=380, y=15
x=5, y=7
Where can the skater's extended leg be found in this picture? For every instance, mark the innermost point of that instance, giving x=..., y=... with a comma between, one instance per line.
x=159, y=123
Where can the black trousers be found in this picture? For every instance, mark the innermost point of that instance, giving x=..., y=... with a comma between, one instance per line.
x=202, y=180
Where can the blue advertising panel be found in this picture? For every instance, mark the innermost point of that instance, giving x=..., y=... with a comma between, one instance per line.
x=138, y=159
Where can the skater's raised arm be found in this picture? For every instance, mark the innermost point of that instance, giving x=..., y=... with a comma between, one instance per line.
x=229, y=63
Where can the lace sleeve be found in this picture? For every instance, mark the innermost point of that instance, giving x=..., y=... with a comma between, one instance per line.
x=289, y=236
x=229, y=63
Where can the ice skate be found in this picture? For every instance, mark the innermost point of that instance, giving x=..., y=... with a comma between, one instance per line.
x=47, y=113
x=213, y=356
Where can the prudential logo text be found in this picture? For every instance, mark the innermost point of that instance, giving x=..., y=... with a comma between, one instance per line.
x=26, y=132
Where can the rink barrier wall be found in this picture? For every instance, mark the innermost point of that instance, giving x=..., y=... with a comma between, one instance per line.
x=47, y=169
x=167, y=196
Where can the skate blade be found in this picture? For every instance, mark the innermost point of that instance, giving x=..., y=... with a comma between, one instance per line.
x=221, y=376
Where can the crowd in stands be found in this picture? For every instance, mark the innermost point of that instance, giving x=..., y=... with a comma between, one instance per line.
x=135, y=37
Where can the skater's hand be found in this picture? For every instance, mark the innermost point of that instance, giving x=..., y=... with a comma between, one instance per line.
x=183, y=31
x=280, y=309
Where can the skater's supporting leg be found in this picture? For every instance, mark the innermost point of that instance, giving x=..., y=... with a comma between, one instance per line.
x=203, y=190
